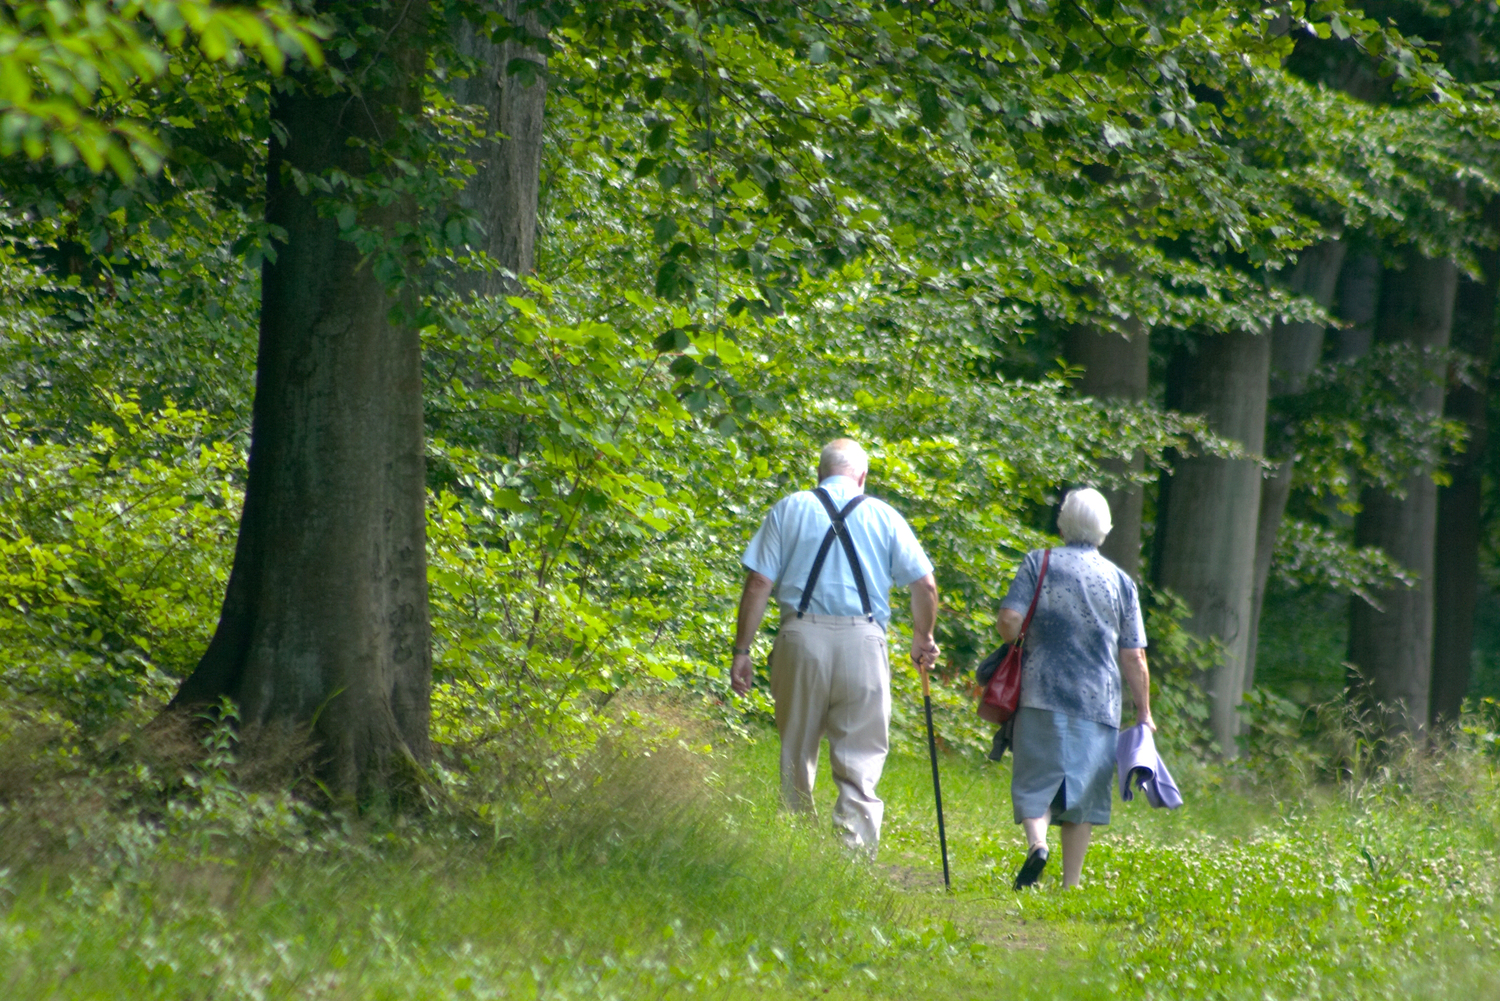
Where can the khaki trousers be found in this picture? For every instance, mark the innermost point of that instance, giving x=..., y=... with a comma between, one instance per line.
x=830, y=675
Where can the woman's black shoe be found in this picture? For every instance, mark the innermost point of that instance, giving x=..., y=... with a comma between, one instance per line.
x=1035, y=862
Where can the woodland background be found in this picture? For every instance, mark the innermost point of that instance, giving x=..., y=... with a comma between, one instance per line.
x=392, y=387
x=1238, y=257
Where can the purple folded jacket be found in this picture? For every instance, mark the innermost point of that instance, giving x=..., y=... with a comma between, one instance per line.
x=1136, y=757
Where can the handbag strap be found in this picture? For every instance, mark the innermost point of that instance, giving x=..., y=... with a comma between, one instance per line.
x=1026, y=623
x=841, y=531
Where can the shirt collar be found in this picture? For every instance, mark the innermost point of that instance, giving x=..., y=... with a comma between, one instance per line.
x=840, y=487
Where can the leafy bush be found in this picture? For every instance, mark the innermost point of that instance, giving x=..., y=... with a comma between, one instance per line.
x=114, y=552
x=1179, y=660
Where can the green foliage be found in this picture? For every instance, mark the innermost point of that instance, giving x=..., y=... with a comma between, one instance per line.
x=763, y=226
x=113, y=553
x=1355, y=424
x=1303, y=643
x=1178, y=661
x=645, y=873
x=167, y=312
x=72, y=77
x=595, y=491
x=1315, y=557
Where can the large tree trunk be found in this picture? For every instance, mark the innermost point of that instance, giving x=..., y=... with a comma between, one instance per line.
x=503, y=192
x=1115, y=368
x=1207, y=511
x=1392, y=646
x=1455, y=575
x=1296, y=349
x=325, y=621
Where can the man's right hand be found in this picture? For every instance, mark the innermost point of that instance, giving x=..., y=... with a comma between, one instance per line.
x=741, y=673
x=924, y=651
x=753, y=598
x=924, y=604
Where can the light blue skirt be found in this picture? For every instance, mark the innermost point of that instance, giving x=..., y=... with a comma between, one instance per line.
x=1062, y=762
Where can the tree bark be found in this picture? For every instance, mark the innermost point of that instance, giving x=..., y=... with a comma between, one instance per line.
x=1296, y=349
x=1358, y=299
x=325, y=618
x=1455, y=577
x=1208, y=509
x=1115, y=368
x=503, y=193
x=1392, y=646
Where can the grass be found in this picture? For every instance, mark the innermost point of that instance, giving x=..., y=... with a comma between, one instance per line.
x=674, y=875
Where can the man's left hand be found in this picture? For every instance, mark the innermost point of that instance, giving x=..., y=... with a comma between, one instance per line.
x=924, y=652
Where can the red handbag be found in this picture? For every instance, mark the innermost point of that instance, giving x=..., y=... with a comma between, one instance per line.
x=1002, y=694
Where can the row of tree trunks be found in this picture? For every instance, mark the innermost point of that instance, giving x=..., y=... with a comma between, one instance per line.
x=1207, y=508
x=1391, y=646
x=1412, y=651
x=1116, y=368
x=1456, y=565
x=1296, y=349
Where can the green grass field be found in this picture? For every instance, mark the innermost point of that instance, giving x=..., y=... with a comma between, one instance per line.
x=673, y=874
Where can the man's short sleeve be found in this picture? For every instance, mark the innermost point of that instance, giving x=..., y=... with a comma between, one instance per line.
x=763, y=554
x=1018, y=598
x=1132, y=626
x=909, y=561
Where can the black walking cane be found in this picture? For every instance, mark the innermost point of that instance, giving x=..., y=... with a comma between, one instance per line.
x=937, y=786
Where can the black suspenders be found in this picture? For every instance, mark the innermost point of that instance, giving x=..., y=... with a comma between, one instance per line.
x=839, y=529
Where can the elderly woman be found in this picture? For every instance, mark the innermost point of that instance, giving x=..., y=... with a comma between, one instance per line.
x=1085, y=635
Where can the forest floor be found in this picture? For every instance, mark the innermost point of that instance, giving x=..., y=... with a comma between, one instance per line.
x=673, y=874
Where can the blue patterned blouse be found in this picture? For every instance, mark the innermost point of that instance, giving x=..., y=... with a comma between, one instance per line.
x=1088, y=611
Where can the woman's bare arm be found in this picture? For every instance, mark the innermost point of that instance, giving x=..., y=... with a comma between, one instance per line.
x=1133, y=669
x=1010, y=624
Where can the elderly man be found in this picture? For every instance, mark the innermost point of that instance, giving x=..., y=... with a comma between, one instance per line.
x=832, y=555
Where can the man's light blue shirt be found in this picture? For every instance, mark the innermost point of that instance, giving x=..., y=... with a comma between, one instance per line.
x=787, y=542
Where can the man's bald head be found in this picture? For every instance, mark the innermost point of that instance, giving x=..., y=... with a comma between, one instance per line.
x=843, y=457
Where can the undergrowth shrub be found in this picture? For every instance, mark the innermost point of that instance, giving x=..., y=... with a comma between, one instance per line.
x=1356, y=751
x=1179, y=661
x=114, y=551
x=181, y=788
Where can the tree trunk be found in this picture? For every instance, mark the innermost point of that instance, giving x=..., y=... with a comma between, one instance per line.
x=1296, y=349
x=1115, y=368
x=1358, y=302
x=1207, y=514
x=503, y=193
x=1392, y=646
x=325, y=620
x=1455, y=577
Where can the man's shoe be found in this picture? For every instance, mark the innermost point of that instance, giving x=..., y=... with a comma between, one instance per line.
x=1036, y=861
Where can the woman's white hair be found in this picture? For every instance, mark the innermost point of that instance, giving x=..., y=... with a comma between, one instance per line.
x=1084, y=517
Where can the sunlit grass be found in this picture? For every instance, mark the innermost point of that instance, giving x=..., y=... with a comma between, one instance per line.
x=673, y=877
